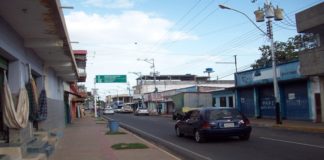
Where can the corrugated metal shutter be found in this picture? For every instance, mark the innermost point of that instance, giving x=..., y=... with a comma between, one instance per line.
x=267, y=102
x=296, y=99
x=247, y=101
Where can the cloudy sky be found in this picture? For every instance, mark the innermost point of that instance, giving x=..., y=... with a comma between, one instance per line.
x=182, y=36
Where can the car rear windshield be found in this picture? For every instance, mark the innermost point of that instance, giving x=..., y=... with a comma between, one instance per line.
x=224, y=114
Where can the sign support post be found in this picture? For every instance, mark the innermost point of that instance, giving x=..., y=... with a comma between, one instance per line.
x=95, y=99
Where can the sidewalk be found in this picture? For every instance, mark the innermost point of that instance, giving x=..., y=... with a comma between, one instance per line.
x=86, y=140
x=303, y=126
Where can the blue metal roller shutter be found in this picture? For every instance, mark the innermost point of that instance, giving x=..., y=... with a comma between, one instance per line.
x=296, y=99
x=247, y=102
x=266, y=102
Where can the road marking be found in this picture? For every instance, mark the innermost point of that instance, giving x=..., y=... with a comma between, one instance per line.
x=187, y=150
x=292, y=142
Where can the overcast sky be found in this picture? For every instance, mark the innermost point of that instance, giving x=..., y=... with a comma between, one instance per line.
x=182, y=36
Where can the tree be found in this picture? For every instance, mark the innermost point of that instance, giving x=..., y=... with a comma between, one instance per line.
x=285, y=51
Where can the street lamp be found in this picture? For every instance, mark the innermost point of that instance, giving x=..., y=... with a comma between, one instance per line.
x=117, y=95
x=95, y=101
x=139, y=74
x=151, y=61
x=269, y=13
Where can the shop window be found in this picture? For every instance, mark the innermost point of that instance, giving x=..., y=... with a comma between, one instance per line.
x=230, y=101
x=4, y=130
x=222, y=101
x=214, y=101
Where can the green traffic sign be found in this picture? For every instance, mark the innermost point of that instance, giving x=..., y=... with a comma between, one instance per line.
x=111, y=78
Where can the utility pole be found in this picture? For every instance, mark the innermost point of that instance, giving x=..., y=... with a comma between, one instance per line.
x=129, y=90
x=235, y=62
x=95, y=99
x=269, y=12
x=139, y=74
x=151, y=61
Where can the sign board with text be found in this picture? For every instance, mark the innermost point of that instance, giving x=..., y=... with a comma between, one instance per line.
x=111, y=78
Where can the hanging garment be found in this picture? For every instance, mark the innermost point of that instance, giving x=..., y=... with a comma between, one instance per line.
x=42, y=113
x=33, y=101
x=15, y=116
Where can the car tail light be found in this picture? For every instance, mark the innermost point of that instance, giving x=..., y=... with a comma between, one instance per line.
x=206, y=125
x=247, y=122
x=244, y=122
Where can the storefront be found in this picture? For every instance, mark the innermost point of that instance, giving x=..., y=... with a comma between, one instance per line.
x=255, y=95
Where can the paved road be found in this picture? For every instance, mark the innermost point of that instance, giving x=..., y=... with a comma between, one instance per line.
x=264, y=144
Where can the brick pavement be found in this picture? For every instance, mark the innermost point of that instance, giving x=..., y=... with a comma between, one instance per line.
x=86, y=140
x=83, y=140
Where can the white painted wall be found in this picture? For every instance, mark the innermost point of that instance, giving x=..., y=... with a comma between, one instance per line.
x=53, y=85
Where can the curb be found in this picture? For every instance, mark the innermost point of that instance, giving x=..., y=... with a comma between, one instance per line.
x=164, y=145
x=290, y=127
x=300, y=128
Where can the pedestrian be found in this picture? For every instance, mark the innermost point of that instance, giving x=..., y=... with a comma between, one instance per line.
x=159, y=109
x=82, y=112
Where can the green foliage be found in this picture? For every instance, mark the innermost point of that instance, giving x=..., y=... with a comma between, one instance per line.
x=285, y=51
x=119, y=146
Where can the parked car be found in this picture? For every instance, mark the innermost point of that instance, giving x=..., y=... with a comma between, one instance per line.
x=141, y=111
x=126, y=109
x=204, y=123
x=118, y=110
x=177, y=115
x=108, y=111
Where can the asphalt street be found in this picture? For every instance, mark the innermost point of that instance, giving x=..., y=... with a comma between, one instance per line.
x=264, y=143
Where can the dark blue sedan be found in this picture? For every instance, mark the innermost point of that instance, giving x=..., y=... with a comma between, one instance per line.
x=208, y=122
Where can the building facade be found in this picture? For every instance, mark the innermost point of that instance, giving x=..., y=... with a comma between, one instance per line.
x=311, y=20
x=34, y=47
x=255, y=96
x=169, y=85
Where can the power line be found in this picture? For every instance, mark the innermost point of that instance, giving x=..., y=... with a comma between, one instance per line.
x=238, y=42
x=222, y=29
x=188, y=12
x=277, y=25
x=198, y=14
x=192, y=19
x=244, y=68
x=288, y=19
x=157, y=44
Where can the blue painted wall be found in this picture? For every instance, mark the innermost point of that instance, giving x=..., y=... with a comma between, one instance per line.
x=224, y=93
x=286, y=71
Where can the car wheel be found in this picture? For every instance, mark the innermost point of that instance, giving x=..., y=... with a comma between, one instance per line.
x=198, y=137
x=178, y=132
x=245, y=137
x=174, y=117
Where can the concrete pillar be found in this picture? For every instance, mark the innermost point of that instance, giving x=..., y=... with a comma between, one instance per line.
x=283, y=108
x=322, y=95
x=320, y=39
x=256, y=102
x=17, y=78
x=238, y=100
